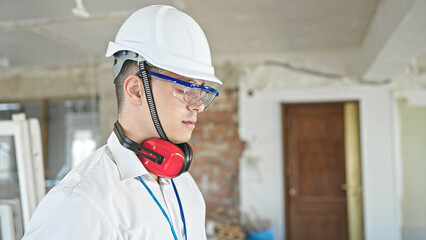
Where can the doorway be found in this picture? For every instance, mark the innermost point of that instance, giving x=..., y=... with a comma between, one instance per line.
x=322, y=171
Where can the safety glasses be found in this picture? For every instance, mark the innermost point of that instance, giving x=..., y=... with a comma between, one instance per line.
x=190, y=93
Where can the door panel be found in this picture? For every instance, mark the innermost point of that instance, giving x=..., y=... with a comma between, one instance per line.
x=314, y=155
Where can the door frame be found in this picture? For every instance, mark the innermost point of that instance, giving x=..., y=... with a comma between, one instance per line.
x=353, y=182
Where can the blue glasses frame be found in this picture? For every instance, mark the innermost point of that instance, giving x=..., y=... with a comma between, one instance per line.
x=183, y=83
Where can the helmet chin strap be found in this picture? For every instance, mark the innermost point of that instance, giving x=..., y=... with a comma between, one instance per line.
x=150, y=100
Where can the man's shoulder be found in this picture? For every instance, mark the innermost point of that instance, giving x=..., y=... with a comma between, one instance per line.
x=84, y=176
x=185, y=178
x=60, y=216
x=80, y=194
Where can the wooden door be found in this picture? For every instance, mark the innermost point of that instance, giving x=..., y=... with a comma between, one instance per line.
x=314, y=161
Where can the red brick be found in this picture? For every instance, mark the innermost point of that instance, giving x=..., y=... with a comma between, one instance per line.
x=217, y=152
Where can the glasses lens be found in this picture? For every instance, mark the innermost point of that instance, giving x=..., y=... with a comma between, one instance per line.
x=208, y=100
x=195, y=97
x=190, y=94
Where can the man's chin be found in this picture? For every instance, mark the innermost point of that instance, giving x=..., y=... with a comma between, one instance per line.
x=181, y=139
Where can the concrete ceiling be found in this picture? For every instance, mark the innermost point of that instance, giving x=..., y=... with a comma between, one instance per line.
x=47, y=33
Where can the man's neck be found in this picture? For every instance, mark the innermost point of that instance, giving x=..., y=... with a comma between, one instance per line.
x=135, y=127
x=127, y=124
x=155, y=177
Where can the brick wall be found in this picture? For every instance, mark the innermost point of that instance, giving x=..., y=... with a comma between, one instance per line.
x=217, y=151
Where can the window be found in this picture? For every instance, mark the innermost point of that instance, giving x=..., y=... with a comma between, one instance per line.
x=70, y=132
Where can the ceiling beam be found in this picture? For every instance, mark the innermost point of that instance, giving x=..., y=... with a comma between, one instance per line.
x=78, y=47
x=396, y=37
x=11, y=25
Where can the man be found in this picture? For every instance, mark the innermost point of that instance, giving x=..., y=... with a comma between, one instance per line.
x=130, y=190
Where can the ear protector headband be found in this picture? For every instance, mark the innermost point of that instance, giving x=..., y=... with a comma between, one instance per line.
x=158, y=156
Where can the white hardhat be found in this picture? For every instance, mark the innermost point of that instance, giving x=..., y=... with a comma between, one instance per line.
x=166, y=38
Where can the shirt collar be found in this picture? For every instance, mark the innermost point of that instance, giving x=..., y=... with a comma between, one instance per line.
x=128, y=163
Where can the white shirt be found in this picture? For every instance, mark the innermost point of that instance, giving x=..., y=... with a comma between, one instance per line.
x=102, y=199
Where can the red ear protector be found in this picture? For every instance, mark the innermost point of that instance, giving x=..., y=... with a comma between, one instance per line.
x=158, y=156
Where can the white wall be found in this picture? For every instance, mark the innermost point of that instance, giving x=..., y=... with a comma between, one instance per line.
x=262, y=179
x=412, y=118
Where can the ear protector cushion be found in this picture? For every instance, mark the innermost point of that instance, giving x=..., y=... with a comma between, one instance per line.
x=188, y=153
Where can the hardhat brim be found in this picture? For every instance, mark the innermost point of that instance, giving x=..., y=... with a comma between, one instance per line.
x=114, y=47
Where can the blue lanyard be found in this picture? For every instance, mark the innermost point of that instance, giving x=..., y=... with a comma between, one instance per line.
x=162, y=209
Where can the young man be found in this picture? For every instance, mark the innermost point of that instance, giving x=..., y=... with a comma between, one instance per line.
x=137, y=185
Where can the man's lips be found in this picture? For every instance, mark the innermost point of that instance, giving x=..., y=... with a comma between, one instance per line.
x=190, y=123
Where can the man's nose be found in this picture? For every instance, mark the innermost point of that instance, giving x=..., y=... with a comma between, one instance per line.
x=196, y=107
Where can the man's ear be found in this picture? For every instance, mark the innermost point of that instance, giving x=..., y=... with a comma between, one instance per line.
x=133, y=89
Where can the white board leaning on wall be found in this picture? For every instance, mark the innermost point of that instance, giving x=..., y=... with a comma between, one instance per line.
x=23, y=149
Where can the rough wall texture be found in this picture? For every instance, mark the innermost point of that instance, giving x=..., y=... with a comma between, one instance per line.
x=63, y=83
x=217, y=151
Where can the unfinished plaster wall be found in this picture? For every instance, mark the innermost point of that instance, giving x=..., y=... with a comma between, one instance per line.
x=261, y=167
x=64, y=83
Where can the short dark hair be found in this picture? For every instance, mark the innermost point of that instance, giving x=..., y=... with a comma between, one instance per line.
x=129, y=67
